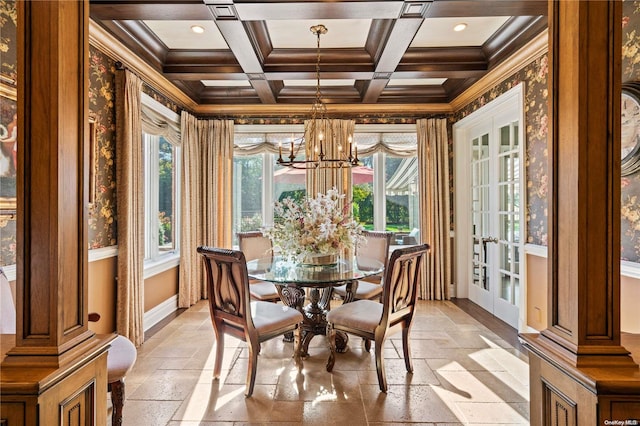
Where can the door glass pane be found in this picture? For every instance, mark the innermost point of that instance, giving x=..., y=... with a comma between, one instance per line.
x=505, y=257
x=505, y=138
x=506, y=290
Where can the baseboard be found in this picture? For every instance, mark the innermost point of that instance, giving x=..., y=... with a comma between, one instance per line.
x=160, y=312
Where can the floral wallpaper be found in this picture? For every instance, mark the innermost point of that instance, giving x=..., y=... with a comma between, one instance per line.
x=102, y=214
x=534, y=75
x=160, y=98
x=8, y=51
x=8, y=109
x=630, y=192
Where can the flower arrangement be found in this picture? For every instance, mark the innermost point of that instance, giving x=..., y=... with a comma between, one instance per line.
x=314, y=226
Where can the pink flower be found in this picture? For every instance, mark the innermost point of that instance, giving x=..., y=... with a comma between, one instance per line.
x=625, y=21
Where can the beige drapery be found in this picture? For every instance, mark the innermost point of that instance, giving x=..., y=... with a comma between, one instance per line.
x=207, y=153
x=433, y=190
x=336, y=134
x=130, y=202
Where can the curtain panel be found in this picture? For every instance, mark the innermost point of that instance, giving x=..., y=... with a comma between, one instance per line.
x=130, y=212
x=433, y=190
x=334, y=145
x=207, y=149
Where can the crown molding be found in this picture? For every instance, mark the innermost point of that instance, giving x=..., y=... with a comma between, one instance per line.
x=531, y=51
x=101, y=39
x=342, y=109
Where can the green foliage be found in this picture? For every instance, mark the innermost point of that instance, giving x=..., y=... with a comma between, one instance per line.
x=251, y=223
x=363, y=203
x=164, y=229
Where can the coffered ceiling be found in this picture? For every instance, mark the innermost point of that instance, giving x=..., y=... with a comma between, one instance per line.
x=375, y=52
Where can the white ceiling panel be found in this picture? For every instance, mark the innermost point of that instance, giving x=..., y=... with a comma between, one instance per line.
x=438, y=32
x=416, y=81
x=226, y=83
x=178, y=34
x=323, y=83
x=297, y=34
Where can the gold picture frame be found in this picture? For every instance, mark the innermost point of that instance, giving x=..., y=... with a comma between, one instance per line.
x=8, y=130
x=93, y=159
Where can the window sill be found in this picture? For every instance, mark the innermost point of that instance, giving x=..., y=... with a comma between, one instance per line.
x=161, y=264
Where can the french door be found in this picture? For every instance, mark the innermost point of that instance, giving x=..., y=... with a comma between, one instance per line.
x=491, y=174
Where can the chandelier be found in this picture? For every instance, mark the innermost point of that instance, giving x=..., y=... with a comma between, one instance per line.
x=313, y=130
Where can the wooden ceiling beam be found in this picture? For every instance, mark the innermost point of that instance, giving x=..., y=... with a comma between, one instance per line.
x=265, y=10
x=516, y=32
x=264, y=90
x=243, y=43
x=470, y=8
x=397, y=39
x=117, y=10
x=140, y=39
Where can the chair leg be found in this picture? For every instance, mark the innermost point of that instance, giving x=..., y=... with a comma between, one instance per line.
x=367, y=344
x=297, y=353
x=331, y=334
x=382, y=378
x=407, y=350
x=252, y=367
x=217, y=366
x=117, y=400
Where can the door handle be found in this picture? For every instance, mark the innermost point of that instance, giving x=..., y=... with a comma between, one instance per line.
x=490, y=240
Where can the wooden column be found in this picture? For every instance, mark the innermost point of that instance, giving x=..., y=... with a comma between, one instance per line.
x=56, y=373
x=580, y=373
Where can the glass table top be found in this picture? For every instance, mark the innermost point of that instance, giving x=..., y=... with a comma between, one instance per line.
x=282, y=270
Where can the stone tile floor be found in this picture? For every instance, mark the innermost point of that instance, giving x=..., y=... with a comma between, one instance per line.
x=463, y=374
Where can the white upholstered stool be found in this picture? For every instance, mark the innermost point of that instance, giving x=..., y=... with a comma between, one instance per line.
x=120, y=359
x=122, y=355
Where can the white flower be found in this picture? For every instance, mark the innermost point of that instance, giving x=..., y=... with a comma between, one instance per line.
x=316, y=225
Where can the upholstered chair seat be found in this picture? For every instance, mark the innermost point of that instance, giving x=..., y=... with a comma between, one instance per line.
x=362, y=315
x=269, y=317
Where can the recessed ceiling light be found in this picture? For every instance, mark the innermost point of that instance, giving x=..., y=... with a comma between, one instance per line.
x=198, y=29
x=461, y=26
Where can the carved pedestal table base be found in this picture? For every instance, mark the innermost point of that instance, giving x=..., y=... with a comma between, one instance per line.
x=315, y=312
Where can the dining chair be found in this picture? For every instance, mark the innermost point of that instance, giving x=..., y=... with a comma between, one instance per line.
x=255, y=245
x=233, y=312
x=376, y=321
x=375, y=246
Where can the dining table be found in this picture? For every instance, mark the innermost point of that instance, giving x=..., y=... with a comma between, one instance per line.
x=298, y=282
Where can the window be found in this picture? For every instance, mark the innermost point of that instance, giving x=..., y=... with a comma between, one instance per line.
x=161, y=197
x=385, y=199
x=389, y=202
x=258, y=181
